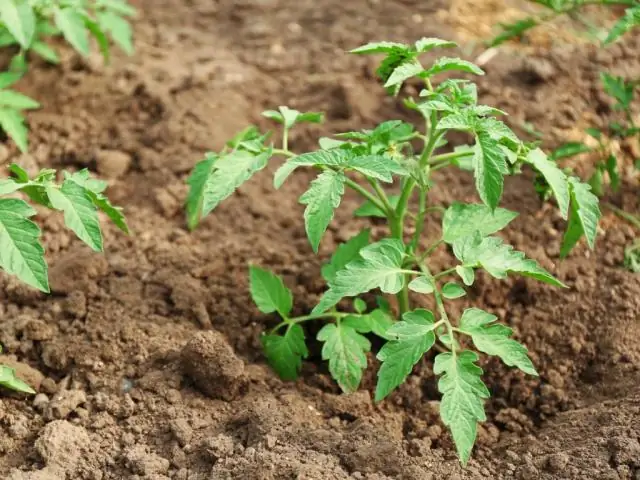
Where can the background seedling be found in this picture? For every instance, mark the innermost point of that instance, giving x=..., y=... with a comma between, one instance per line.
x=29, y=24
x=373, y=163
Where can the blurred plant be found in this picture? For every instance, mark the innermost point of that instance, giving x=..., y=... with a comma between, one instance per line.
x=28, y=24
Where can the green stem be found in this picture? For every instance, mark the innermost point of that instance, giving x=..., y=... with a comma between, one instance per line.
x=422, y=211
x=281, y=151
x=388, y=209
x=632, y=219
x=444, y=273
x=447, y=157
x=429, y=251
x=367, y=194
x=440, y=306
x=306, y=318
x=285, y=140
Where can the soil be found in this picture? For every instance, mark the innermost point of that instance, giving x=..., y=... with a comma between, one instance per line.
x=147, y=359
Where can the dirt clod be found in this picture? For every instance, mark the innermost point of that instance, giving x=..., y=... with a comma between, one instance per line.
x=64, y=403
x=213, y=365
x=112, y=163
x=144, y=462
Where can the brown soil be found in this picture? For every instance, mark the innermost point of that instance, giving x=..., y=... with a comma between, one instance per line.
x=147, y=359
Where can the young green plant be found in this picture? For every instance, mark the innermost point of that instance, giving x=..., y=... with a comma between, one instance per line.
x=28, y=24
x=79, y=197
x=373, y=164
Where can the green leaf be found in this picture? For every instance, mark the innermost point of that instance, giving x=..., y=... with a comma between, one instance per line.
x=461, y=220
x=71, y=24
x=489, y=168
x=21, y=253
x=9, y=78
x=118, y=6
x=119, y=29
x=426, y=44
x=463, y=120
x=285, y=353
x=498, y=130
x=345, y=350
x=612, y=169
x=493, y=339
x=9, y=380
x=368, y=209
x=379, y=266
x=101, y=37
x=197, y=182
x=378, y=322
x=452, y=291
x=18, y=17
x=407, y=69
x=379, y=47
x=413, y=337
x=463, y=394
x=446, y=64
x=569, y=150
x=46, y=52
x=329, y=158
x=513, y=30
x=555, y=177
x=499, y=259
x=625, y=24
x=269, y=292
x=345, y=253
x=617, y=88
x=80, y=214
x=421, y=284
x=12, y=122
x=225, y=175
x=11, y=99
x=584, y=216
x=466, y=274
x=593, y=133
x=322, y=198
x=359, y=305
x=375, y=166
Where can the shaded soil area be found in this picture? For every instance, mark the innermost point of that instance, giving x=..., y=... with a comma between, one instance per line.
x=147, y=359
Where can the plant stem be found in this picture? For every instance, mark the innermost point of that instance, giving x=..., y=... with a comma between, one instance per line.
x=422, y=211
x=382, y=196
x=429, y=251
x=281, y=151
x=632, y=219
x=444, y=273
x=447, y=157
x=285, y=139
x=306, y=318
x=440, y=306
x=368, y=195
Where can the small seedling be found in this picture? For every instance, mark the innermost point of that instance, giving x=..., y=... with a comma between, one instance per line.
x=28, y=24
x=366, y=162
x=79, y=197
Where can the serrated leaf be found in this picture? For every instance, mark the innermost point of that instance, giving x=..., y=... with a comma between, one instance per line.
x=80, y=214
x=630, y=20
x=100, y=36
x=379, y=47
x=285, y=353
x=345, y=253
x=8, y=379
x=493, y=339
x=489, y=168
x=375, y=166
x=118, y=6
x=466, y=274
x=569, y=149
x=421, y=284
x=452, y=291
x=617, y=88
x=225, y=175
x=463, y=120
x=378, y=322
x=368, y=209
x=499, y=259
x=345, y=350
x=461, y=220
x=498, y=130
x=322, y=198
x=329, y=158
x=197, y=182
x=413, y=337
x=555, y=177
x=269, y=292
x=119, y=30
x=446, y=64
x=584, y=216
x=407, y=69
x=379, y=266
x=11, y=99
x=21, y=253
x=12, y=122
x=18, y=17
x=463, y=395
x=429, y=43
x=72, y=25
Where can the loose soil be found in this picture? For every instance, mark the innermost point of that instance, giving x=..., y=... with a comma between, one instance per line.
x=147, y=360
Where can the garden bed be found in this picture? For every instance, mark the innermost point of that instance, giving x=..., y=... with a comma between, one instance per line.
x=108, y=347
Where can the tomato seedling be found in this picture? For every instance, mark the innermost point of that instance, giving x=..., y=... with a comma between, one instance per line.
x=366, y=162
